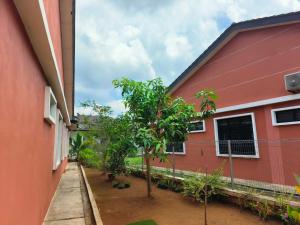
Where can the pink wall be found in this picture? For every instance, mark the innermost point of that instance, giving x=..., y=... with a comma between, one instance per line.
x=249, y=68
x=53, y=17
x=253, y=60
x=27, y=141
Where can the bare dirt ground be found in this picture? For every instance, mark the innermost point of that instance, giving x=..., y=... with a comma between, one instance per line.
x=120, y=207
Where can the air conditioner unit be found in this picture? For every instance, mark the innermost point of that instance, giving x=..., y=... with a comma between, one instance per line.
x=292, y=82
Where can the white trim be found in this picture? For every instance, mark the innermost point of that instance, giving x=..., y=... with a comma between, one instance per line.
x=273, y=115
x=58, y=140
x=33, y=16
x=58, y=75
x=47, y=105
x=177, y=153
x=269, y=101
x=198, y=131
x=254, y=135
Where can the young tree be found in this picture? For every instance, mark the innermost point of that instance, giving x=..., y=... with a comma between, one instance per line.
x=121, y=145
x=78, y=144
x=157, y=119
x=98, y=125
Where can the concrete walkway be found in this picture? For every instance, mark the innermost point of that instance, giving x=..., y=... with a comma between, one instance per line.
x=70, y=203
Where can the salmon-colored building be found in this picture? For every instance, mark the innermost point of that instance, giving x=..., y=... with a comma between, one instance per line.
x=36, y=104
x=258, y=105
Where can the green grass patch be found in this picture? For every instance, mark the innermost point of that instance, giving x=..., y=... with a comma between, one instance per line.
x=134, y=161
x=144, y=222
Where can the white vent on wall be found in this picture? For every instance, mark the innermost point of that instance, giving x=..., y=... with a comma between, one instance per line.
x=292, y=82
x=50, y=106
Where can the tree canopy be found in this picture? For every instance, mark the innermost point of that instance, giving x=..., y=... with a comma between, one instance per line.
x=157, y=118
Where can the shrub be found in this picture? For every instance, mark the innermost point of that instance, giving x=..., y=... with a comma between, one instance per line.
x=162, y=185
x=89, y=158
x=120, y=184
x=115, y=183
x=293, y=213
x=137, y=173
x=134, y=161
x=194, y=186
x=127, y=184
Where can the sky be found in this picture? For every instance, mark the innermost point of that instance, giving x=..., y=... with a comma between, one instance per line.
x=145, y=39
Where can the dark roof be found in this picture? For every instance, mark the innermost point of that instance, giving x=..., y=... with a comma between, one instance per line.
x=229, y=33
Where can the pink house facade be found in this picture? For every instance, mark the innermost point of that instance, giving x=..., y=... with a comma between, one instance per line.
x=36, y=101
x=248, y=66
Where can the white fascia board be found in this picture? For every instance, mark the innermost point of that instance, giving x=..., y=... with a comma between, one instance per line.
x=34, y=18
x=264, y=102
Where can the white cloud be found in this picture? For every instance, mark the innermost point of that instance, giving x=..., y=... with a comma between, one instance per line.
x=84, y=110
x=177, y=46
x=117, y=106
x=144, y=38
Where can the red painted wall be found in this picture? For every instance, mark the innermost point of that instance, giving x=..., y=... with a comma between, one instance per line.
x=249, y=68
x=27, y=141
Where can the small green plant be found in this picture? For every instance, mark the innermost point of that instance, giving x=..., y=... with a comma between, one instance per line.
x=89, y=158
x=127, y=184
x=264, y=209
x=163, y=183
x=246, y=200
x=293, y=213
x=194, y=186
x=120, y=184
x=133, y=161
x=115, y=183
x=282, y=201
x=79, y=143
x=144, y=222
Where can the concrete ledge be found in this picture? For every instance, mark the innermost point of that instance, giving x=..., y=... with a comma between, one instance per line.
x=92, y=199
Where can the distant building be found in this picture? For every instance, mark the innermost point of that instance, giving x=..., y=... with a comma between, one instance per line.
x=258, y=104
x=36, y=100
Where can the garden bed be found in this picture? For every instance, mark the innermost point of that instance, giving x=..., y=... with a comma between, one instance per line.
x=125, y=206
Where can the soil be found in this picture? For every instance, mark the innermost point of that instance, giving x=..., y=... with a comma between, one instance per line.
x=120, y=207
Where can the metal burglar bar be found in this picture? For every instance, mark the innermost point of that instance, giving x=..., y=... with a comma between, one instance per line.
x=265, y=165
x=231, y=164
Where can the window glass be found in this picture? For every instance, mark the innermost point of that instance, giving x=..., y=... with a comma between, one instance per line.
x=240, y=131
x=178, y=148
x=286, y=116
x=196, y=126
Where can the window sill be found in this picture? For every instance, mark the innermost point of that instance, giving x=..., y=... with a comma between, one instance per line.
x=175, y=153
x=240, y=156
x=286, y=124
x=50, y=120
x=196, y=131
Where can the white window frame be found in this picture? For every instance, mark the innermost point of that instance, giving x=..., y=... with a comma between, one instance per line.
x=256, y=156
x=198, y=131
x=63, y=142
x=274, y=120
x=58, y=140
x=48, y=108
x=178, y=153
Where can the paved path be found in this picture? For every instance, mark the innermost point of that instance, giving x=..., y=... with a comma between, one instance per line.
x=69, y=205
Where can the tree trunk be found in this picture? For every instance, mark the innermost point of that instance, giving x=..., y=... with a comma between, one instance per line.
x=173, y=162
x=148, y=175
x=205, y=198
x=143, y=157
